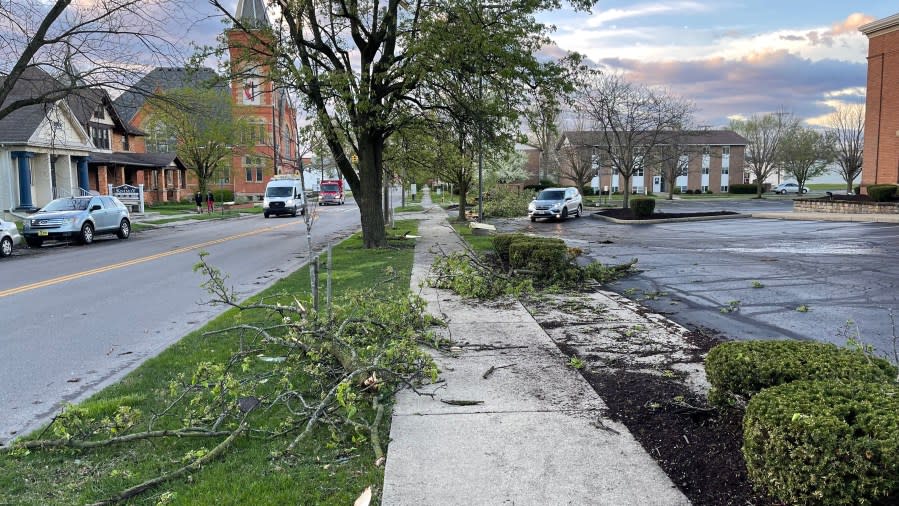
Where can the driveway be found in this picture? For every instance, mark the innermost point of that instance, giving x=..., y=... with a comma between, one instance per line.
x=752, y=278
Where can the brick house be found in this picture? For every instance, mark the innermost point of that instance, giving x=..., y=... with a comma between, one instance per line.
x=881, y=154
x=712, y=161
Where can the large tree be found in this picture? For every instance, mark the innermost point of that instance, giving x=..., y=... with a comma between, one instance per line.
x=765, y=135
x=631, y=120
x=542, y=117
x=805, y=153
x=846, y=126
x=81, y=44
x=203, y=123
x=363, y=68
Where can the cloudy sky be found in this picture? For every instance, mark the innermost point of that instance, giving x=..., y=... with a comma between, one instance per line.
x=733, y=58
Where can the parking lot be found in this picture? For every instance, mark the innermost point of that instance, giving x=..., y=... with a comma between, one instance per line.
x=751, y=278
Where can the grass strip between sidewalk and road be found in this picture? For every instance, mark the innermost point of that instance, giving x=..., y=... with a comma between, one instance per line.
x=480, y=243
x=323, y=469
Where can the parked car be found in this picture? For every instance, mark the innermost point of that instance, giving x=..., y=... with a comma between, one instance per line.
x=784, y=188
x=81, y=218
x=9, y=237
x=558, y=203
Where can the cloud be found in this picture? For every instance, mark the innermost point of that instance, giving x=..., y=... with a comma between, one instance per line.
x=792, y=37
x=759, y=82
x=602, y=17
x=851, y=24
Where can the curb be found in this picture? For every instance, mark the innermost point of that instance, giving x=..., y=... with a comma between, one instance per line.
x=596, y=216
x=854, y=218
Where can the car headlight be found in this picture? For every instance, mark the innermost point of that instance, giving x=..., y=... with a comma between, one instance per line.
x=531, y=206
x=556, y=205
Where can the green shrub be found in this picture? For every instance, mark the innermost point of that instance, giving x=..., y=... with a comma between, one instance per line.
x=882, y=192
x=501, y=244
x=542, y=258
x=222, y=195
x=857, y=190
x=737, y=370
x=824, y=442
x=643, y=207
x=504, y=203
x=677, y=190
x=742, y=189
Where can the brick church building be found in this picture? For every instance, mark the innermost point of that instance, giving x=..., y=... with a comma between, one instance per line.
x=881, y=155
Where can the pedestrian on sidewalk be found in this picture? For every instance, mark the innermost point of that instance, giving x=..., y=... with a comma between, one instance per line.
x=198, y=198
x=210, y=202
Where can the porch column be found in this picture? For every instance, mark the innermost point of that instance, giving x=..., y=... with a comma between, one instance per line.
x=102, y=179
x=83, y=180
x=120, y=175
x=24, y=157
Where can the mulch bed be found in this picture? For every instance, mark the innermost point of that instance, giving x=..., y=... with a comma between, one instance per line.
x=628, y=214
x=699, y=449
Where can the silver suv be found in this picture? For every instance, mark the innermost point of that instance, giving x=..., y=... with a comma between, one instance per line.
x=558, y=203
x=9, y=237
x=81, y=218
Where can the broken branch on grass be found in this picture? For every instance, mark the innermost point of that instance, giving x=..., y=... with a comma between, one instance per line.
x=459, y=402
x=43, y=444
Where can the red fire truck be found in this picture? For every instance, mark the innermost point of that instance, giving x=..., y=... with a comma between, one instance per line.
x=331, y=192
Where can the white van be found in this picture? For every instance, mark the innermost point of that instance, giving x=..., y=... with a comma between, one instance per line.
x=283, y=195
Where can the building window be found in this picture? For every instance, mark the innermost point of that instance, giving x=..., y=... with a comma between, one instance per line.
x=169, y=179
x=253, y=168
x=705, y=170
x=725, y=151
x=683, y=188
x=705, y=189
x=249, y=174
x=638, y=172
x=256, y=133
x=724, y=188
x=160, y=139
x=100, y=113
x=706, y=150
x=126, y=145
x=100, y=137
x=725, y=170
x=614, y=189
x=259, y=174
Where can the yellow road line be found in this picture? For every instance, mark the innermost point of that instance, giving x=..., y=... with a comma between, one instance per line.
x=128, y=263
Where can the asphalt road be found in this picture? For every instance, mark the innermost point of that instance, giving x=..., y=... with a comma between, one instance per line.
x=77, y=318
x=704, y=274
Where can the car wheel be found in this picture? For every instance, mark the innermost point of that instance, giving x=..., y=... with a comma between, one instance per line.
x=87, y=233
x=564, y=213
x=33, y=242
x=5, y=247
x=580, y=211
x=804, y=191
x=124, y=230
x=294, y=213
x=533, y=219
x=265, y=214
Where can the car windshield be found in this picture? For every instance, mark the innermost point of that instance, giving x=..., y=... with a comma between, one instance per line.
x=66, y=205
x=329, y=188
x=550, y=195
x=279, y=191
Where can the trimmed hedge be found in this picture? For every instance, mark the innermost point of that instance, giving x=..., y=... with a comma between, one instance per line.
x=545, y=258
x=643, y=206
x=882, y=192
x=501, y=244
x=737, y=370
x=742, y=189
x=824, y=442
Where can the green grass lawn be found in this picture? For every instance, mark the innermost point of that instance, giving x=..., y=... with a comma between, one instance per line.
x=480, y=243
x=408, y=208
x=322, y=470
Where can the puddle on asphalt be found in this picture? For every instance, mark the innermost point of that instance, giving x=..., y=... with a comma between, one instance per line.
x=807, y=248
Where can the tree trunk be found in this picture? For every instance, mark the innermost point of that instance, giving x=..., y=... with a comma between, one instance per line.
x=463, y=195
x=626, y=193
x=370, y=182
x=758, y=187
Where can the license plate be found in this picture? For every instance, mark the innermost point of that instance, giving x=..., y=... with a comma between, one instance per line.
x=43, y=232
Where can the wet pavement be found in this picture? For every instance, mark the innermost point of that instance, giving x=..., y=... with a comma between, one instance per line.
x=751, y=278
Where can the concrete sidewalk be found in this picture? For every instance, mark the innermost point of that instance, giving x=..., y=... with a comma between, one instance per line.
x=538, y=434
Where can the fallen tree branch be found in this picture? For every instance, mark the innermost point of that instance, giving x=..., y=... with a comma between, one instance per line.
x=84, y=445
x=193, y=466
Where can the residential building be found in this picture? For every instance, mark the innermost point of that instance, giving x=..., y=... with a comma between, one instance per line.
x=43, y=148
x=881, y=155
x=709, y=161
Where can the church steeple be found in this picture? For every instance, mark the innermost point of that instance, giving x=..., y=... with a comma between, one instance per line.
x=252, y=13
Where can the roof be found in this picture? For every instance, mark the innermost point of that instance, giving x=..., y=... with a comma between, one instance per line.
x=85, y=101
x=700, y=138
x=252, y=13
x=873, y=28
x=135, y=159
x=21, y=123
x=164, y=79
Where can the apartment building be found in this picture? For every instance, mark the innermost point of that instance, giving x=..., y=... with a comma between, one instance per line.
x=881, y=155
